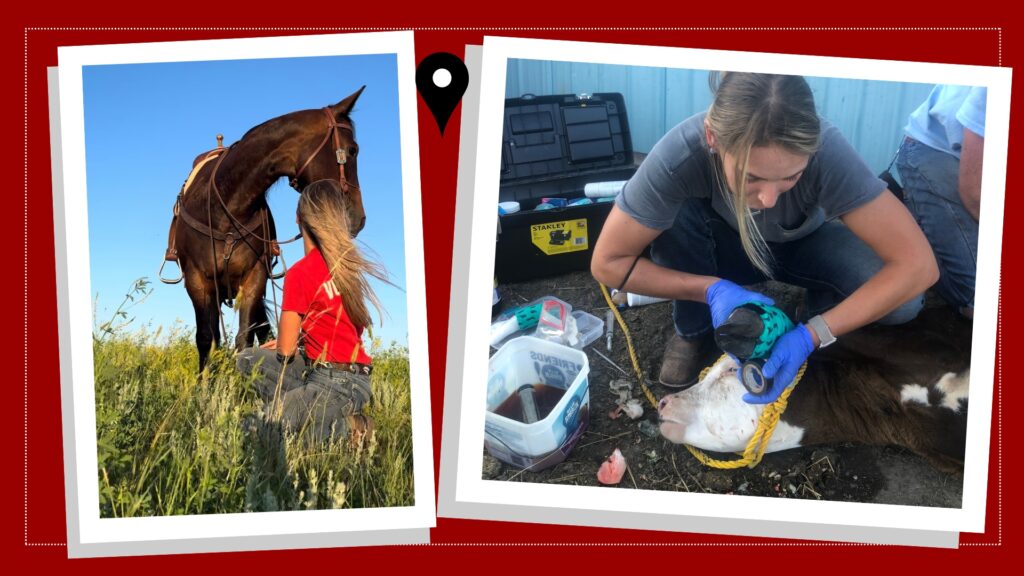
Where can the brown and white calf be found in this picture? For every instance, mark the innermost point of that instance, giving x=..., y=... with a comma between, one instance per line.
x=904, y=385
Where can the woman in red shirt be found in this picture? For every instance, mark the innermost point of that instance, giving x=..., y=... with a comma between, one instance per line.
x=317, y=372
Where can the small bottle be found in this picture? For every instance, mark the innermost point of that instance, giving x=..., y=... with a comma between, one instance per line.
x=603, y=189
x=530, y=414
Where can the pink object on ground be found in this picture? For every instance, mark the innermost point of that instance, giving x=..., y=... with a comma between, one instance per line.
x=612, y=469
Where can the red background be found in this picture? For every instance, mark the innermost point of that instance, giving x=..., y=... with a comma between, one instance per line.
x=34, y=513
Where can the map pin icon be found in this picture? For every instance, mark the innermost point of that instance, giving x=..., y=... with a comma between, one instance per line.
x=442, y=79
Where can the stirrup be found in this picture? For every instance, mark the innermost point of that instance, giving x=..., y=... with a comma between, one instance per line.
x=160, y=273
x=280, y=274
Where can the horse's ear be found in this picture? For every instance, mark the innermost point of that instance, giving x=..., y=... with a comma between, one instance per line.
x=345, y=106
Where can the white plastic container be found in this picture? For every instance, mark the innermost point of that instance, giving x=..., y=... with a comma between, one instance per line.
x=603, y=189
x=509, y=207
x=502, y=330
x=590, y=328
x=555, y=372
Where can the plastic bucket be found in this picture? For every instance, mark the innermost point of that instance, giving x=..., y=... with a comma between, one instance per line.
x=532, y=378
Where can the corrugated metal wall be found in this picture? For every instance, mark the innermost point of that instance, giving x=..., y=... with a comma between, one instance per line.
x=871, y=114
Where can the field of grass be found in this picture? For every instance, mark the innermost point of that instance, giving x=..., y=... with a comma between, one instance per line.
x=172, y=442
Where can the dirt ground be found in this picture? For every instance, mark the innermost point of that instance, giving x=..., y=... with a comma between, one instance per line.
x=844, y=472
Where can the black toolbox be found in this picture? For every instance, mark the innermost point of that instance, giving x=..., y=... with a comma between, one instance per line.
x=552, y=146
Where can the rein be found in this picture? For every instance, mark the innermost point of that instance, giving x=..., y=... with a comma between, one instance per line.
x=341, y=156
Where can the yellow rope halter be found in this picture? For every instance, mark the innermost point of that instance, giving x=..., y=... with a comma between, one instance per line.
x=766, y=423
x=629, y=346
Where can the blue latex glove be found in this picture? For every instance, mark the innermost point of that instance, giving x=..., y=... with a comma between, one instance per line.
x=723, y=296
x=788, y=354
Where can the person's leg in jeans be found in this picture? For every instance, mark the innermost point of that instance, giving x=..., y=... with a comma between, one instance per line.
x=832, y=263
x=699, y=242
x=275, y=378
x=324, y=406
x=931, y=189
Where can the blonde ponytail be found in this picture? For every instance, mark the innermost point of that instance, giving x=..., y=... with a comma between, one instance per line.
x=751, y=110
x=324, y=214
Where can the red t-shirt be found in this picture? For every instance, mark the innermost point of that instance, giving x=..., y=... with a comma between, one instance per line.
x=326, y=327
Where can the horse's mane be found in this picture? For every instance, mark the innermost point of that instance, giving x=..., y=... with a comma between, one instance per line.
x=284, y=116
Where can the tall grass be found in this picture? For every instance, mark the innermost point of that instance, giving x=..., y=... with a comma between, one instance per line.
x=172, y=442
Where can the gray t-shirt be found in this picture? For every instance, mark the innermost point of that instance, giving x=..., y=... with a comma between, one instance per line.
x=680, y=166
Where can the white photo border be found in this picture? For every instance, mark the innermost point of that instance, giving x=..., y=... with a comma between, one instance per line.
x=463, y=491
x=90, y=535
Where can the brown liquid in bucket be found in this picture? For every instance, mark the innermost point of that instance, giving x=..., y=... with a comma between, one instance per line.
x=544, y=398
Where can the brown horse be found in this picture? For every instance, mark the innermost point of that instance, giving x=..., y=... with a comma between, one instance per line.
x=223, y=235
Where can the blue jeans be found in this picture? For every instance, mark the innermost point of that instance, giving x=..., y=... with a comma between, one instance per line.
x=931, y=186
x=831, y=263
x=315, y=399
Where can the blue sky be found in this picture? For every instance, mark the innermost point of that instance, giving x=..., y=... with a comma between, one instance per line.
x=145, y=123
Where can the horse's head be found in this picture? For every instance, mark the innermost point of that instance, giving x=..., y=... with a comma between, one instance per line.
x=334, y=154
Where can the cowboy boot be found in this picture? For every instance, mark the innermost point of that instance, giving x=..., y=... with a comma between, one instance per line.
x=171, y=255
x=360, y=430
x=683, y=360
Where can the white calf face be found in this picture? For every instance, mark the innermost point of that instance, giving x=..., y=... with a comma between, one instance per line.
x=713, y=416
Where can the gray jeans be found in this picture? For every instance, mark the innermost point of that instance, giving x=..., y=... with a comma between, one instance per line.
x=316, y=400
